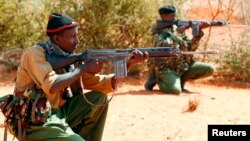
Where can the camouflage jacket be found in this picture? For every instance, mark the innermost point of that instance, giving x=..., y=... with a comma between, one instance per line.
x=169, y=37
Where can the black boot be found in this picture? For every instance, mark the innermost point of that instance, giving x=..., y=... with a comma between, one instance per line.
x=151, y=81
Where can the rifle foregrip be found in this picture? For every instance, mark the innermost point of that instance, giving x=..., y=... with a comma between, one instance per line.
x=159, y=51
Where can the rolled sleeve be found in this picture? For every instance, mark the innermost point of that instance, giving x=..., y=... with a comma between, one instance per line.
x=48, y=81
x=100, y=83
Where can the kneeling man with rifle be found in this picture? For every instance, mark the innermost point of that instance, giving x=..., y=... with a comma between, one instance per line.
x=172, y=73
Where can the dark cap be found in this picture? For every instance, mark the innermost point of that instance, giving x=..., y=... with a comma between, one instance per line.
x=58, y=22
x=167, y=9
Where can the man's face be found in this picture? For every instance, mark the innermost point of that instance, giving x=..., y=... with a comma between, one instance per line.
x=67, y=40
x=168, y=17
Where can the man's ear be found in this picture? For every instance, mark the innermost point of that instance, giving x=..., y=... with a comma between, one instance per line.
x=55, y=38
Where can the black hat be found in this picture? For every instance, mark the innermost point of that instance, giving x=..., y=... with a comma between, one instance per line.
x=167, y=9
x=58, y=22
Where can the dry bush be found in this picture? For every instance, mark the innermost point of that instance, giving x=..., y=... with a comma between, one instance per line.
x=192, y=105
x=10, y=59
x=232, y=42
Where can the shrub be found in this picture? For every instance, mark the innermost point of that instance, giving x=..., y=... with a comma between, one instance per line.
x=235, y=63
x=20, y=26
x=103, y=24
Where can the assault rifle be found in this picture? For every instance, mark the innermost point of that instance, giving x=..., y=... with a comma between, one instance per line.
x=117, y=56
x=194, y=24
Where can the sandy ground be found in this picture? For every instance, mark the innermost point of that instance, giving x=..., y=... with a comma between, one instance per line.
x=136, y=114
x=139, y=115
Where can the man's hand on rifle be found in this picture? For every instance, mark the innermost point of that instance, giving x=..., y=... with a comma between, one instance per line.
x=182, y=29
x=136, y=58
x=94, y=66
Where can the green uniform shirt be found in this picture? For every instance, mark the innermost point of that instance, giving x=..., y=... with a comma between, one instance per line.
x=169, y=37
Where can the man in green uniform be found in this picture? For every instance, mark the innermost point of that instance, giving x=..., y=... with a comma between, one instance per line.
x=63, y=118
x=172, y=73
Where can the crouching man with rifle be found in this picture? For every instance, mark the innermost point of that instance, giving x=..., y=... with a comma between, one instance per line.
x=48, y=101
x=171, y=74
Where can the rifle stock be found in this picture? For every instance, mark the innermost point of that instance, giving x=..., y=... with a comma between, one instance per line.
x=61, y=61
x=117, y=56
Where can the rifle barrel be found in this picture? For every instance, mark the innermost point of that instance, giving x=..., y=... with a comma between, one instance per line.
x=198, y=52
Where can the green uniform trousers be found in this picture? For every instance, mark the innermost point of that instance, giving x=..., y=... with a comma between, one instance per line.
x=76, y=120
x=170, y=82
